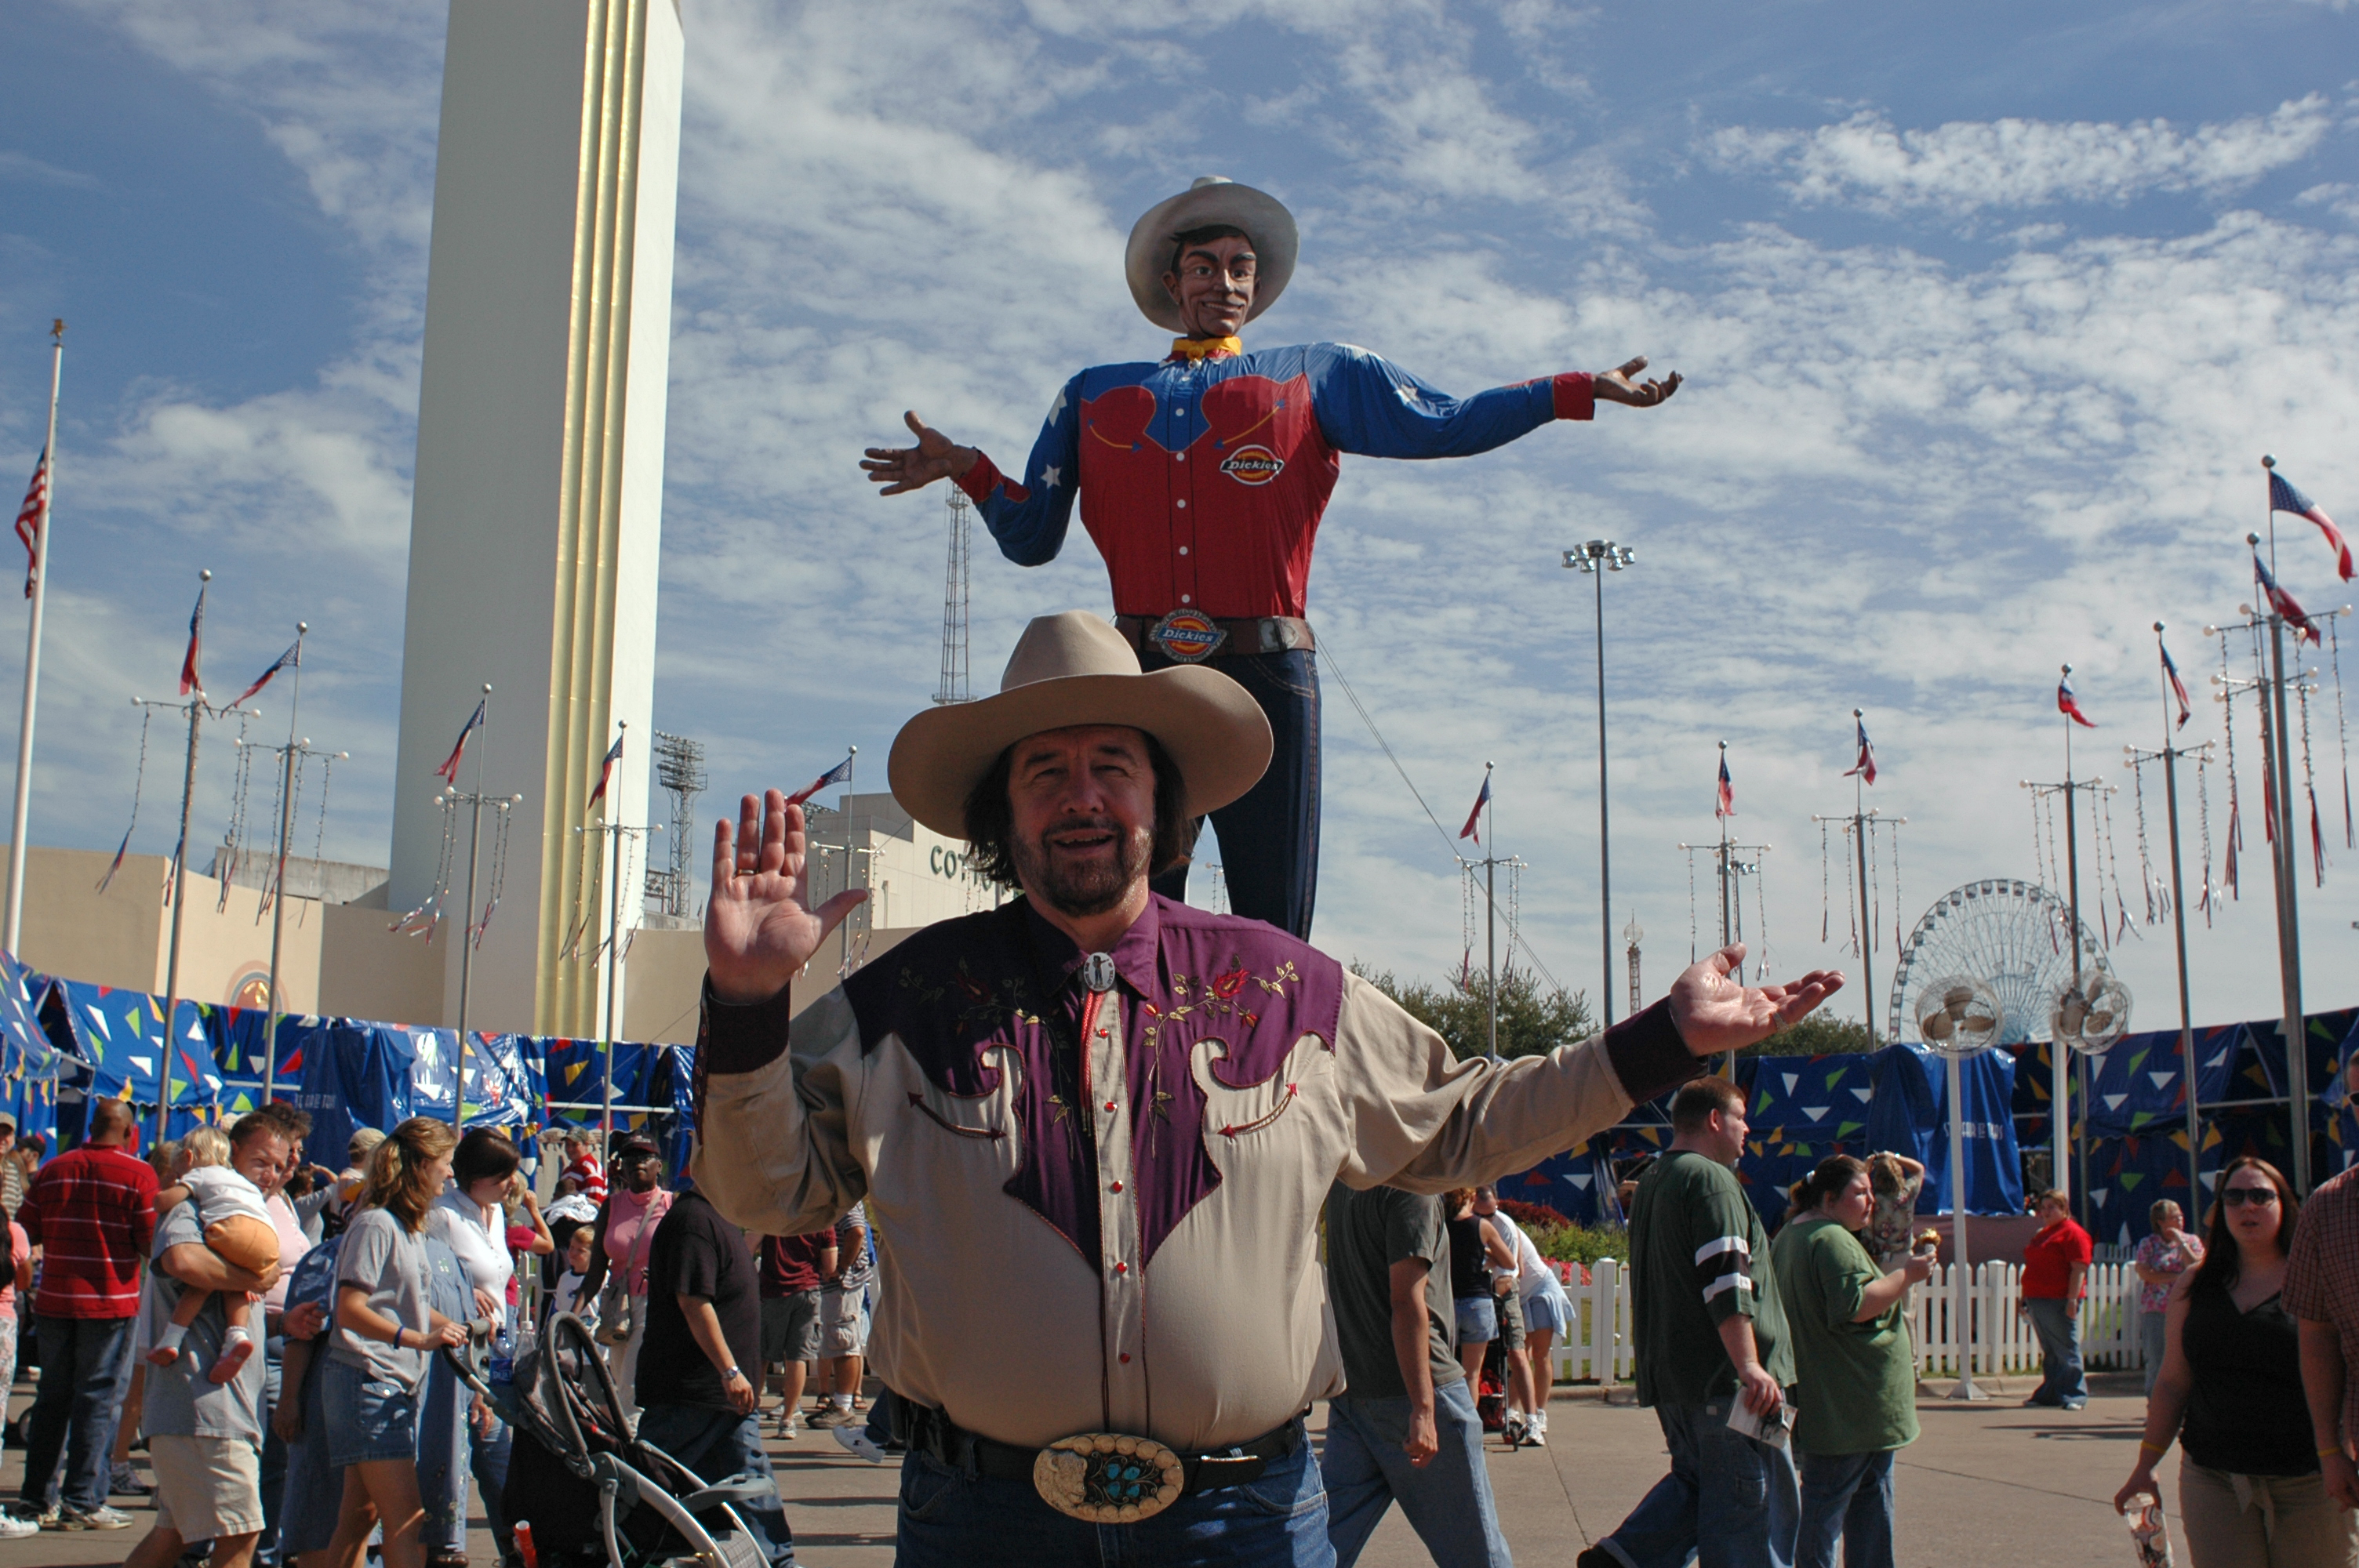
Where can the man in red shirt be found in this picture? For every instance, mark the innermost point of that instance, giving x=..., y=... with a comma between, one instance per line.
x=793, y=1267
x=2055, y=1282
x=1202, y=479
x=93, y=1214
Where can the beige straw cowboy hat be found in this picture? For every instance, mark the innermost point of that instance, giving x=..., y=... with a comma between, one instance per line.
x=1074, y=669
x=1210, y=200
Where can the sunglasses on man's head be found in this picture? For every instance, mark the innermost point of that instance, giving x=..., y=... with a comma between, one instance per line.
x=2237, y=1197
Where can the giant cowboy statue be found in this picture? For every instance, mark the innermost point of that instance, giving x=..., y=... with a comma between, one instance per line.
x=1202, y=479
x=1095, y=1127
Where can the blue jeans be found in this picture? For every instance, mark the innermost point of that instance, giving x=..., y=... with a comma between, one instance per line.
x=85, y=1376
x=950, y=1518
x=1846, y=1497
x=2151, y=1336
x=2058, y=1324
x=718, y=1445
x=274, y=1452
x=1270, y=835
x=1729, y=1502
x=1448, y=1503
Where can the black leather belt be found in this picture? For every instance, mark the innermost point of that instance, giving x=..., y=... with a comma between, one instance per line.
x=1259, y=634
x=933, y=1434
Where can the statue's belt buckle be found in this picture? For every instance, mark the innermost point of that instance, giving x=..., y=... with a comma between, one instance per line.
x=1107, y=1477
x=1188, y=636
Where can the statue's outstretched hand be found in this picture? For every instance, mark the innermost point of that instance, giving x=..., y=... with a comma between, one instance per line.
x=758, y=928
x=903, y=468
x=1713, y=1013
x=1619, y=385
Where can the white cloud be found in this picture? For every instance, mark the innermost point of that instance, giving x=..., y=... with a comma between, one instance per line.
x=1966, y=165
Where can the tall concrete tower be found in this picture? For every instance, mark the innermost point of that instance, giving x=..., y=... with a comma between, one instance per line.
x=538, y=498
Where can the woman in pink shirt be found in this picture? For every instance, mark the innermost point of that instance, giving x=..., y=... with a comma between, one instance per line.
x=627, y=1231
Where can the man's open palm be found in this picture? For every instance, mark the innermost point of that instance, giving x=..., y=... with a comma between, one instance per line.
x=903, y=468
x=1714, y=1014
x=758, y=928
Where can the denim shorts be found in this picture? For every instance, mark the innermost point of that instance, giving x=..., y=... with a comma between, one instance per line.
x=368, y=1417
x=1544, y=1313
x=1478, y=1320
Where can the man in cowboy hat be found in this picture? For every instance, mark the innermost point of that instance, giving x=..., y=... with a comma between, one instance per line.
x=1095, y=1127
x=1202, y=479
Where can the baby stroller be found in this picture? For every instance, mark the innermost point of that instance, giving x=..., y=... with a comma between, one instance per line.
x=590, y=1492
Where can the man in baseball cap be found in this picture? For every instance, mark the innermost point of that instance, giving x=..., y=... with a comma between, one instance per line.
x=1203, y=478
x=1095, y=1127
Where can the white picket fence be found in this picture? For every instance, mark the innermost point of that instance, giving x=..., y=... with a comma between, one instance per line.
x=1599, y=1347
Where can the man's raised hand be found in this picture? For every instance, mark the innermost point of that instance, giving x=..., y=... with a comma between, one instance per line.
x=757, y=929
x=1621, y=385
x=903, y=468
x=1713, y=1013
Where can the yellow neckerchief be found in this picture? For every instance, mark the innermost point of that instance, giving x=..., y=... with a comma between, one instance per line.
x=1206, y=348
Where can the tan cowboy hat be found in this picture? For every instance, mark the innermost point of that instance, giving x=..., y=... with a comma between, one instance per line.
x=1073, y=669
x=1211, y=200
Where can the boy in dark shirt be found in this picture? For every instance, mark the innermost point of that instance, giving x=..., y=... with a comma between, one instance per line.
x=704, y=1323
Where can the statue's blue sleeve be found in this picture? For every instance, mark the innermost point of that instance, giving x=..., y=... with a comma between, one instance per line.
x=1028, y=515
x=1368, y=404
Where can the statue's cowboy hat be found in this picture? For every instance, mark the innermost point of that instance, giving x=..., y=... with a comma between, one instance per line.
x=1074, y=669
x=1212, y=201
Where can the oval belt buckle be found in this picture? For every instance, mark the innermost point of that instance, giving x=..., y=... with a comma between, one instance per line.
x=1105, y=1477
x=1188, y=636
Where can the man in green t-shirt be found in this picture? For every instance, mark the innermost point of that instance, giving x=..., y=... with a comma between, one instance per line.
x=1712, y=1337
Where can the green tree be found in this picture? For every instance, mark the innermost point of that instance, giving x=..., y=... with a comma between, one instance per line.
x=1533, y=1018
x=1819, y=1035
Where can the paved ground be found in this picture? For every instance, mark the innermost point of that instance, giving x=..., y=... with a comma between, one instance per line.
x=1987, y=1483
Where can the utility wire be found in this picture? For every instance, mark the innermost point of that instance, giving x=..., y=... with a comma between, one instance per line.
x=1327, y=652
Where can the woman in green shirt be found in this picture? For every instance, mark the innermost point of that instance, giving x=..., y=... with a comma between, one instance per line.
x=1855, y=1402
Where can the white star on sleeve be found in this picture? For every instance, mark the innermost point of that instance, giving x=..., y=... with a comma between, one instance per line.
x=1409, y=395
x=1050, y=477
x=1058, y=407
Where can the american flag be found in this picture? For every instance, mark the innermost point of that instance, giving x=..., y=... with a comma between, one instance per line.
x=29, y=518
x=605, y=774
x=2283, y=602
x=190, y=679
x=1865, y=770
x=2177, y=686
x=2068, y=705
x=2283, y=497
x=1474, y=817
x=449, y=771
x=286, y=660
x=836, y=774
x=1726, y=805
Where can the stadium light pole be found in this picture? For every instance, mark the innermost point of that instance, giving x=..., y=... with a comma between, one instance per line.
x=1596, y=558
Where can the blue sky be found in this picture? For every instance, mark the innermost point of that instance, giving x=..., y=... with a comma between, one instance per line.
x=1987, y=313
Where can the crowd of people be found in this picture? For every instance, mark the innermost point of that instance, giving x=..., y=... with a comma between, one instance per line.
x=265, y=1330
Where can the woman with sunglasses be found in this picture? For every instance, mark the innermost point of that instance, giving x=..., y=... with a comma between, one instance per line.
x=2249, y=1490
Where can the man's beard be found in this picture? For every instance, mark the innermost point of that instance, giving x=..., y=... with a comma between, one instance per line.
x=1083, y=890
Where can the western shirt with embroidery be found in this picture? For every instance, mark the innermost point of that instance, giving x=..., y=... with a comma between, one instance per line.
x=1100, y=1214
x=1202, y=480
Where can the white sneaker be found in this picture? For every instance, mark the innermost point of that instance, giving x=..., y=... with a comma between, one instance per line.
x=787, y=1425
x=13, y=1527
x=857, y=1439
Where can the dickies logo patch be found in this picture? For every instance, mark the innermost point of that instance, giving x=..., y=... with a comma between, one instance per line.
x=1253, y=465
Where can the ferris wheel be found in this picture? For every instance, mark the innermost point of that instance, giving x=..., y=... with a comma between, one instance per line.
x=2015, y=935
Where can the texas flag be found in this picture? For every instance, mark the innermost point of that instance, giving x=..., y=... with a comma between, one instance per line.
x=2068, y=705
x=190, y=679
x=2284, y=497
x=836, y=774
x=1726, y=805
x=449, y=771
x=286, y=660
x=1474, y=817
x=2177, y=686
x=2283, y=602
x=605, y=774
x=1865, y=770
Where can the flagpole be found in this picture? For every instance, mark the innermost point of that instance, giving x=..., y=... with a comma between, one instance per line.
x=613, y=951
x=2289, y=880
x=1491, y=904
x=179, y=903
x=10, y=939
x=278, y=895
x=1866, y=928
x=467, y=919
x=2179, y=920
x=2061, y=1083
